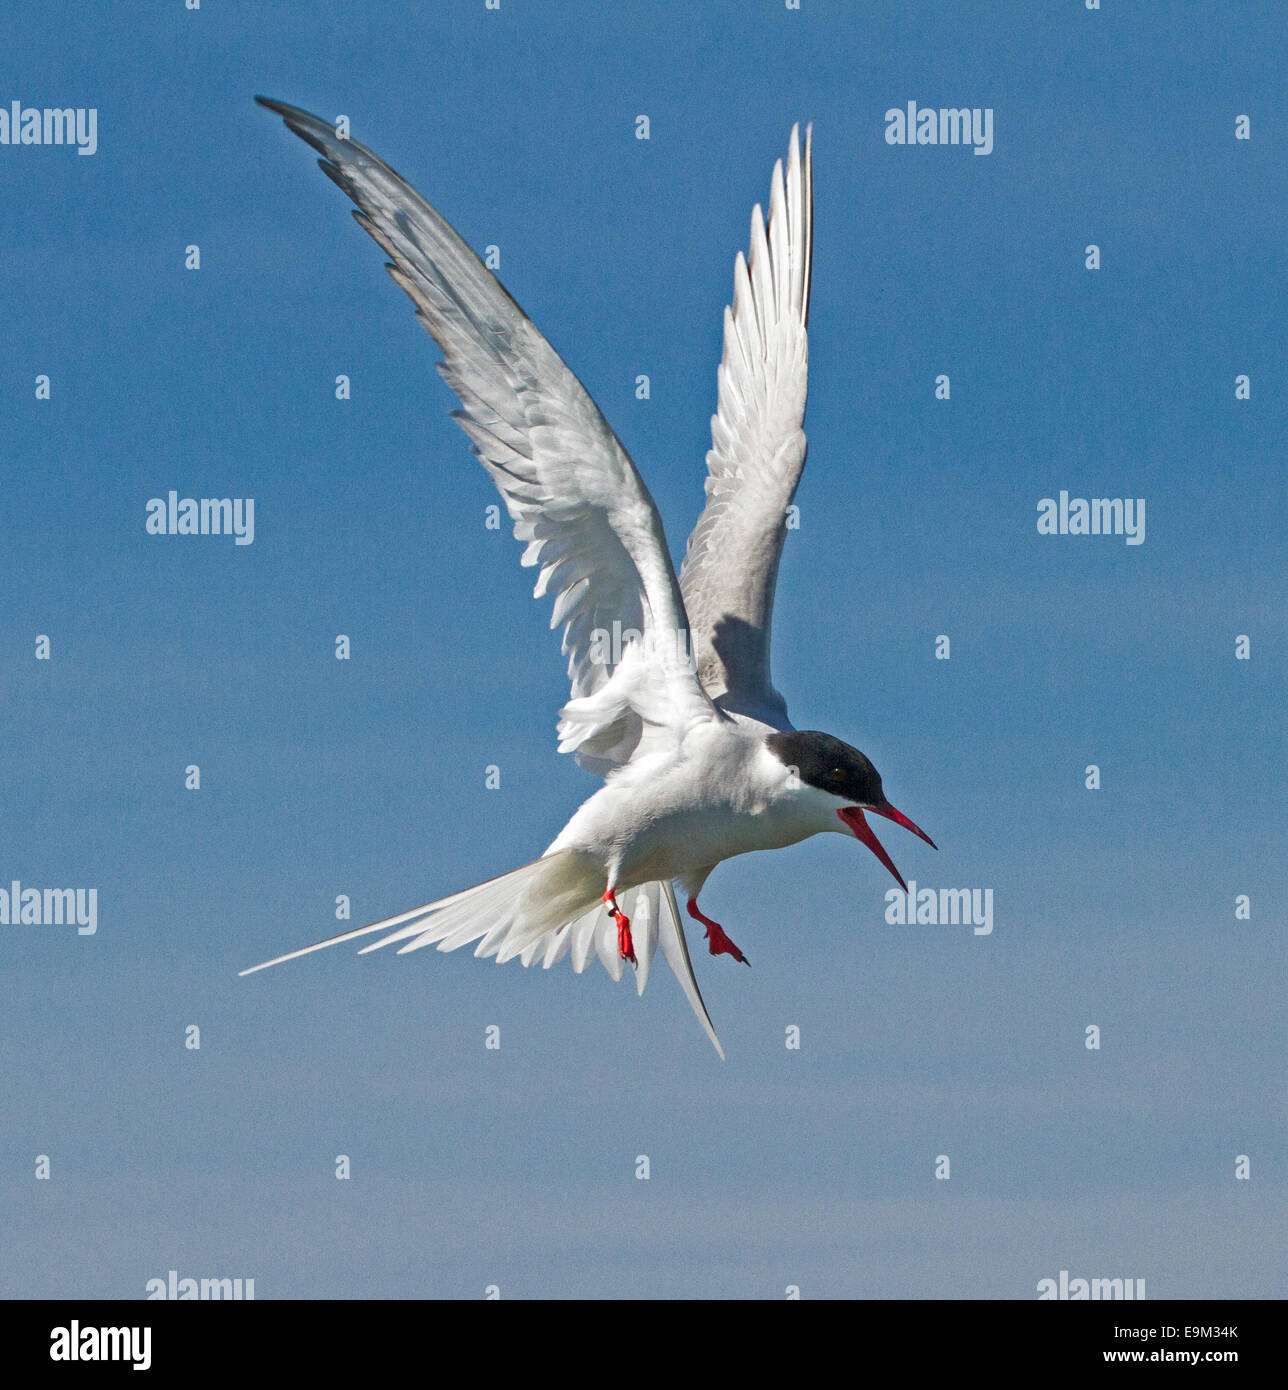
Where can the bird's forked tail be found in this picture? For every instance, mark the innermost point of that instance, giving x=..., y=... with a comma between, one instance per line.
x=542, y=912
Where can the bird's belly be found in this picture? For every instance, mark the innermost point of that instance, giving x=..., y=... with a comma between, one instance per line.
x=683, y=842
x=672, y=817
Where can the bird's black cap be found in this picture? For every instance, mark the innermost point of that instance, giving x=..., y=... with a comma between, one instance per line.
x=830, y=765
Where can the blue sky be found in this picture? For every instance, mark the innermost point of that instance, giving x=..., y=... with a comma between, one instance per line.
x=516, y=1168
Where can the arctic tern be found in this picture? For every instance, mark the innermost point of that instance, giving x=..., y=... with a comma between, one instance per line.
x=699, y=759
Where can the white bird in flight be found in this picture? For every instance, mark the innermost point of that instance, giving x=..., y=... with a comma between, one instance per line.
x=682, y=721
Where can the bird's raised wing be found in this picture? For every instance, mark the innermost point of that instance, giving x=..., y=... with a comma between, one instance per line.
x=757, y=453
x=570, y=487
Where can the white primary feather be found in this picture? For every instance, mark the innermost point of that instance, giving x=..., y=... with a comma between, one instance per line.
x=576, y=500
x=757, y=454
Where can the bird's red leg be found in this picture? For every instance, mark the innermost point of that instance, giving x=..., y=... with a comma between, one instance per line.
x=718, y=943
x=625, y=946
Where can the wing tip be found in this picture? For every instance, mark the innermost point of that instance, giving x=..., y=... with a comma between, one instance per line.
x=294, y=116
x=795, y=157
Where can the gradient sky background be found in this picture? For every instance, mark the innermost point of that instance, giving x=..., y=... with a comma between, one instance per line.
x=516, y=1168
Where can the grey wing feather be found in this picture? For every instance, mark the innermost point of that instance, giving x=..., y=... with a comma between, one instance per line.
x=757, y=454
x=572, y=492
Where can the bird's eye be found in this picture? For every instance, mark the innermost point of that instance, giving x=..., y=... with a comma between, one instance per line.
x=836, y=774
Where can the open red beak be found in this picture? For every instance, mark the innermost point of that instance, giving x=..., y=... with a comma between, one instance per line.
x=854, y=818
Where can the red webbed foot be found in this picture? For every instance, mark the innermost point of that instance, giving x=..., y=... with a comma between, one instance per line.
x=717, y=942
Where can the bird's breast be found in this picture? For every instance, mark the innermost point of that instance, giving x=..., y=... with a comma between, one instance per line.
x=665, y=818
